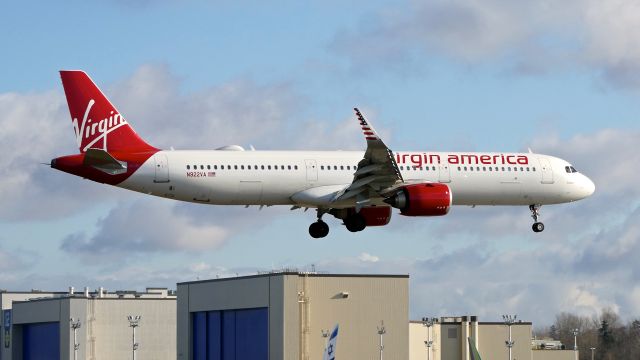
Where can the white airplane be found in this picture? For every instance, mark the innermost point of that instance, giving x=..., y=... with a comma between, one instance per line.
x=358, y=187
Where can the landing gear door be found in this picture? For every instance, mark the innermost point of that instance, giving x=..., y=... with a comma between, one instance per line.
x=444, y=173
x=546, y=170
x=312, y=170
x=161, y=168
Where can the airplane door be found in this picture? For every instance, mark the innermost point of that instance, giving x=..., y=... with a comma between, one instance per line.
x=444, y=173
x=546, y=170
x=161, y=168
x=312, y=170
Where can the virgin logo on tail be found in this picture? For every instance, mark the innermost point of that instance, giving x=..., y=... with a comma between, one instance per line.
x=89, y=132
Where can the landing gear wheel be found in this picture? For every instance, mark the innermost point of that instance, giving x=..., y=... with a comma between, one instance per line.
x=318, y=229
x=538, y=227
x=355, y=223
x=535, y=214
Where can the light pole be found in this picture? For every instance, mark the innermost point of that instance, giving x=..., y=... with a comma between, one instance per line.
x=428, y=322
x=381, y=331
x=509, y=320
x=592, y=350
x=134, y=322
x=575, y=333
x=75, y=325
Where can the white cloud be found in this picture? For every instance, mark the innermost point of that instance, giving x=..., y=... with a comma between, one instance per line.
x=366, y=257
x=145, y=225
x=526, y=36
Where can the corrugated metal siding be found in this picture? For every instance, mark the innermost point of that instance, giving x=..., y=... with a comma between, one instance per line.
x=231, y=335
x=41, y=341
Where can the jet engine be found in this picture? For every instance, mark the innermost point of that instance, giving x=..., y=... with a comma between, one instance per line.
x=428, y=199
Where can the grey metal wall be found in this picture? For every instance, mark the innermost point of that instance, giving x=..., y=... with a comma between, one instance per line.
x=231, y=294
x=301, y=306
x=105, y=331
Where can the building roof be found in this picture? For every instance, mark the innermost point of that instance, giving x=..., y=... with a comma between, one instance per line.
x=300, y=274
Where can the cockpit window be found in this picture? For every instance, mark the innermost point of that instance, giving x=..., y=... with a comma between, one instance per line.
x=573, y=170
x=570, y=169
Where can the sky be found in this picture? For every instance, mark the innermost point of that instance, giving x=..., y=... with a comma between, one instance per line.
x=560, y=78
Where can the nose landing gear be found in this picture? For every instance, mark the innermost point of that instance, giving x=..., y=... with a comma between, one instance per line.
x=535, y=214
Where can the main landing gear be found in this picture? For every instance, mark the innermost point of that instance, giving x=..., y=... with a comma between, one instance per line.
x=535, y=214
x=319, y=229
x=353, y=221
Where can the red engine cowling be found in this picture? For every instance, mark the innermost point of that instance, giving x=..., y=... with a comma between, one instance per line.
x=374, y=215
x=430, y=199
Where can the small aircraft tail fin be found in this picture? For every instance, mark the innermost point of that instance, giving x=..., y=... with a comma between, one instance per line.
x=96, y=122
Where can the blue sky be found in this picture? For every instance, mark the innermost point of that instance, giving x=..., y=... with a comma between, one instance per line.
x=432, y=75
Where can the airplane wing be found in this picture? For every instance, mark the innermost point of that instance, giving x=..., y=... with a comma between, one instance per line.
x=377, y=172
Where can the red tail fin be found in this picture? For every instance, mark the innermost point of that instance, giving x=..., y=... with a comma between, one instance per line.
x=96, y=122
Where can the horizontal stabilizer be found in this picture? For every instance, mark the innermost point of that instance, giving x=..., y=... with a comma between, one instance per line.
x=103, y=161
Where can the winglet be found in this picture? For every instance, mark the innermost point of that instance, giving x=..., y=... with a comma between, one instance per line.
x=369, y=132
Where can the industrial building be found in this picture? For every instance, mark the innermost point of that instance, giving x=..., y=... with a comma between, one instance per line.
x=447, y=338
x=96, y=325
x=283, y=315
x=6, y=303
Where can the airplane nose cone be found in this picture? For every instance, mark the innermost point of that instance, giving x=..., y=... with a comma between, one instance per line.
x=587, y=187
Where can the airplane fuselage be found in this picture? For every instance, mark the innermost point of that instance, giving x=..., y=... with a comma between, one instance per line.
x=358, y=187
x=220, y=177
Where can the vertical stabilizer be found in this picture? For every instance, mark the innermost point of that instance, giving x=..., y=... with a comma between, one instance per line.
x=96, y=122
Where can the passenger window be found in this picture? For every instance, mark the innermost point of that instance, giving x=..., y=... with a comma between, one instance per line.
x=335, y=167
x=503, y=168
x=527, y=168
x=322, y=167
x=341, y=167
x=295, y=167
x=289, y=167
x=484, y=168
x=208, y=167
x=533, y=168
x=188, y=167
x=465, y=168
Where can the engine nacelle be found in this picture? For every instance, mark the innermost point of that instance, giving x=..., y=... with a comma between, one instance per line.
x=429, y=199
